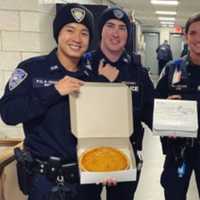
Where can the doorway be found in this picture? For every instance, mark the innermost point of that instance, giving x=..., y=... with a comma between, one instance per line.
x=176, y=43
x=151, y=40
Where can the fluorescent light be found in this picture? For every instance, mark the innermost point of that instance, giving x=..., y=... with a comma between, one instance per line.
x=166, y=22
x=164, y=2
x=166, y=18
x=165, y=12
x=167, y=25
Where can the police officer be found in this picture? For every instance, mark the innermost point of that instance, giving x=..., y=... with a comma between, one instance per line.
x=37, y=96
x=180, y=80
x=164, y=55
x=112, y=63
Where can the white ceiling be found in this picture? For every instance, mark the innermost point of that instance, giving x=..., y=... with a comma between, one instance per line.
x=145, y=12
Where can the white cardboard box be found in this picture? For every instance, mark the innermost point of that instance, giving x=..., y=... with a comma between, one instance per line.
x=177, y=118
x=101, y=115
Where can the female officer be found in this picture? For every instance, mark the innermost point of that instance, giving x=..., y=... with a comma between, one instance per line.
x=180, y=80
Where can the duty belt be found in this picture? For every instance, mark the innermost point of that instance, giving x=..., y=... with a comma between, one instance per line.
x=54, y=168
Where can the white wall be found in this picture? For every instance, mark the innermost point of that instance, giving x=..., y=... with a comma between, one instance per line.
x=25, y=31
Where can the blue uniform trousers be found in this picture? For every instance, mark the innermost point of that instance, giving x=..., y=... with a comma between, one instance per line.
x=41, y=188
x=176, y=187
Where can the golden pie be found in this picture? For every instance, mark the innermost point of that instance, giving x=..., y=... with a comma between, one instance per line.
x=103, y=159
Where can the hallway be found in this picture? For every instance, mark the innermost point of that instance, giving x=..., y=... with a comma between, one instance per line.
x=149, y=186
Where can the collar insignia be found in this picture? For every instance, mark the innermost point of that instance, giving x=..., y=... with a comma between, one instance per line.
x=54, y=67
x=125, y=60
x=78, y=14
x=118, y=14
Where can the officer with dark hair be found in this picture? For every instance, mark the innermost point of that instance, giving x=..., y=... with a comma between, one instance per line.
x=111, y=63
x=37, y=96
x=180, y=80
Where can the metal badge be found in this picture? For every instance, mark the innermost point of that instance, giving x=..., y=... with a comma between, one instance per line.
x=118, y=14
x=18, y=76
x=78, y=14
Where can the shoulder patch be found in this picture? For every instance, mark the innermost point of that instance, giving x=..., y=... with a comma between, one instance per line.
x=17, y=77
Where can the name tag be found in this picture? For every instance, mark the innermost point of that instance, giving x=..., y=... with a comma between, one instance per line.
x=37, y=83
x=179, y=87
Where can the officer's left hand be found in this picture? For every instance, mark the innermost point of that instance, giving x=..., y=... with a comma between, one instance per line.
x=108, y=71
x=175, y=97
x=108, y=182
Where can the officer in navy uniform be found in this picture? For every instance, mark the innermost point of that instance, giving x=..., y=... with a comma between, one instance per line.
x=111, y=63
x=37, y=96
x=180, y=80
x=164, y=55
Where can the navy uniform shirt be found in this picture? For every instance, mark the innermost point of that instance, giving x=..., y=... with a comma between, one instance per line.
x=180, y=77
x=138, y=80
x=31, y=98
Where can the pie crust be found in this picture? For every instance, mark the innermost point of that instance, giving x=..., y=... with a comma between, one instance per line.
x=103, y=159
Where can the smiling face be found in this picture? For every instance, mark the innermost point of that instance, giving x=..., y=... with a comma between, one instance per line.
x=73, y=41
x=193, y=39
x=114, y=36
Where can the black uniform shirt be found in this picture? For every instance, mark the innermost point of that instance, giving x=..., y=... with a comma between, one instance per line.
x=31, y=98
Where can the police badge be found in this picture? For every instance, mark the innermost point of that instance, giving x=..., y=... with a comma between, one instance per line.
x=78, y=14
x=118, y=13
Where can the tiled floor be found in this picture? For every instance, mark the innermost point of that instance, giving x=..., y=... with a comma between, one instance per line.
x=149, y=186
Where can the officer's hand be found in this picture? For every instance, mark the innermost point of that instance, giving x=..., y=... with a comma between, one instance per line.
x=108, y=71
x=68, y=85
x=177, y=97
x=108, y=182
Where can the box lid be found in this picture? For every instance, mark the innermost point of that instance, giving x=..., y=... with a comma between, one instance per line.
x=102, y=110
x=176, y=115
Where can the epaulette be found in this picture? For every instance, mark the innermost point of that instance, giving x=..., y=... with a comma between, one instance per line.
x=33, y=59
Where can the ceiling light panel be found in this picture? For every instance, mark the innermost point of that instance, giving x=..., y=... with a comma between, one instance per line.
x=160, y=2
x=165, y=12
x=166, y=18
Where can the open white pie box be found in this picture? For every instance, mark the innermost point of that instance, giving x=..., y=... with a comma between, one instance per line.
x=101, y=115
x=177, y=118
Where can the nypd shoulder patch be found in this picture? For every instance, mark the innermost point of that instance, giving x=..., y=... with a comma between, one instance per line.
x=18, y=76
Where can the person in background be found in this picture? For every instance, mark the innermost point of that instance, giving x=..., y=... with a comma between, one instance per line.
x=111, y=63
x=180, y=80
x=164, y=55
x=37, y=96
